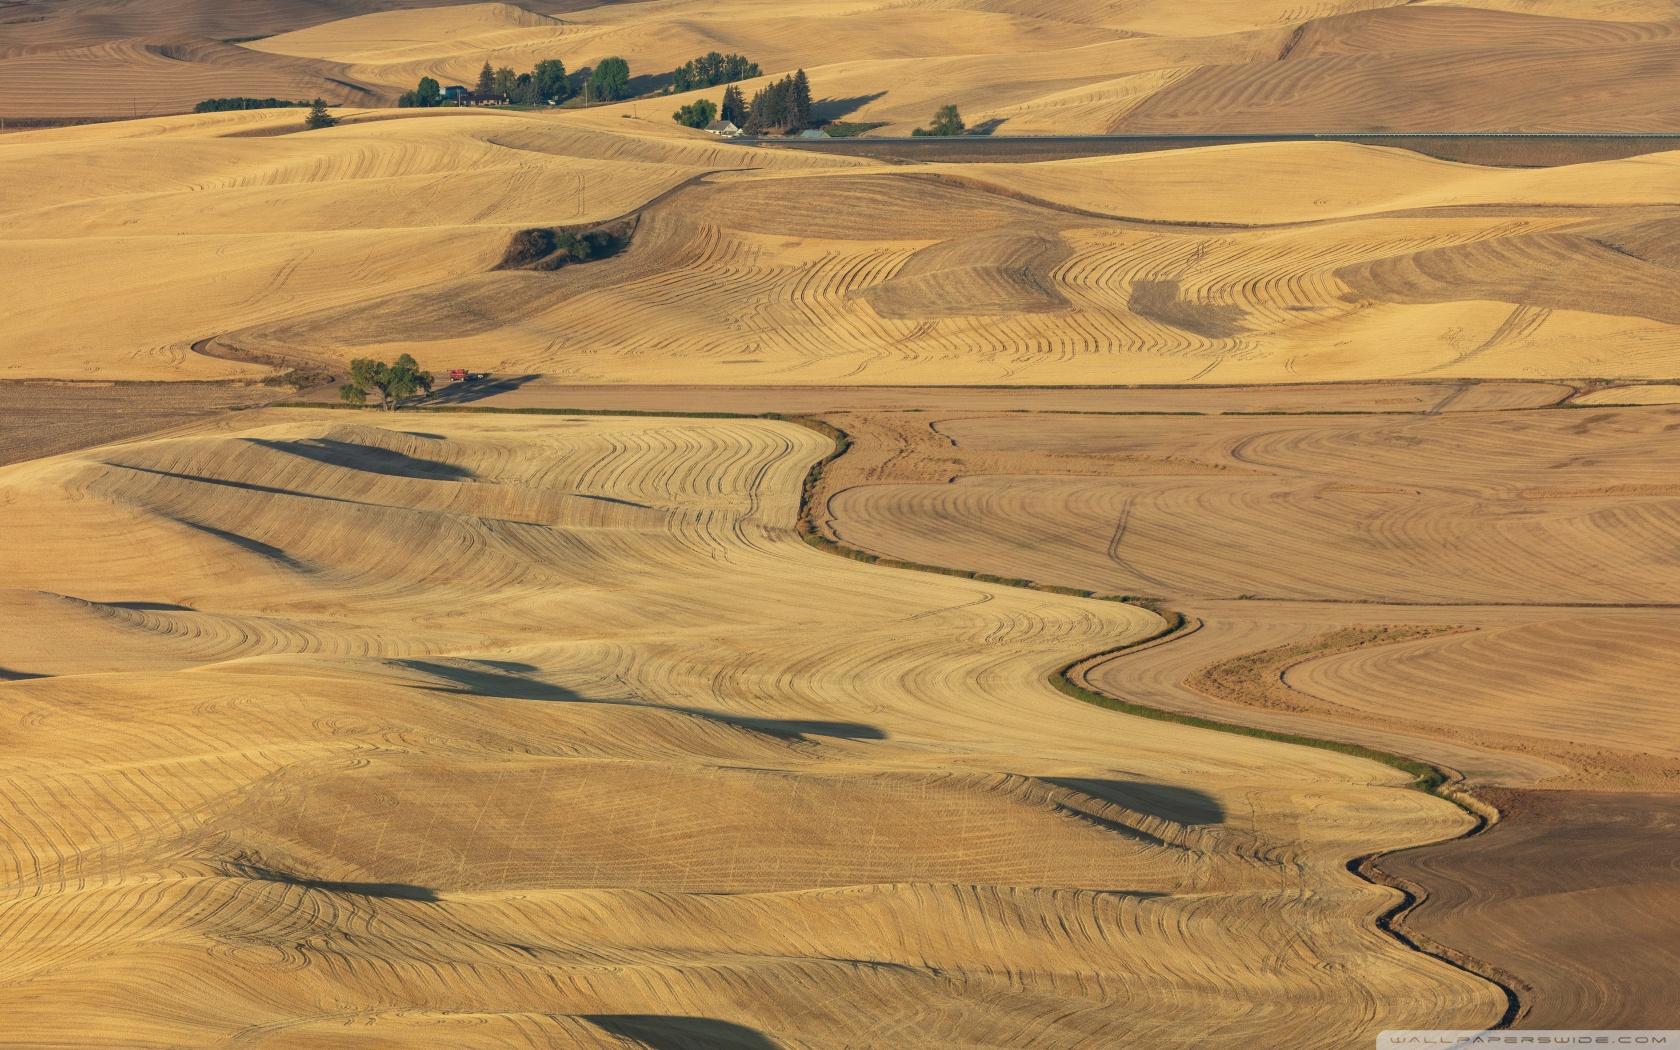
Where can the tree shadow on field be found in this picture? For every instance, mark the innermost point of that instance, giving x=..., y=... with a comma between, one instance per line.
x=248, y=544
x=1180, y=805
x=150, y=606
x=391, y=890
x=367, y=458
x=835, y=108
x=465, y=393
x=649, y=83
x=510, y=680
x=683, y=1033
x=7, y=674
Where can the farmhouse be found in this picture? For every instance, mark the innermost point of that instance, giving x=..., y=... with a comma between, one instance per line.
x=725, y=128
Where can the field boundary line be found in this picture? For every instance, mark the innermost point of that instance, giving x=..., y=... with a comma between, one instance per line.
x=1428, y=777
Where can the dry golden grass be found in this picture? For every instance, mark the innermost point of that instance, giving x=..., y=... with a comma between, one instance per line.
x=1096, y=65
x=334, y=730
x=758, y=266
x=774, y=266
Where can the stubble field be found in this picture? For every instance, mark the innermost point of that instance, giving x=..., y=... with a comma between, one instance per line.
x=487, y=772
x=1490, y=590
x=337, y=729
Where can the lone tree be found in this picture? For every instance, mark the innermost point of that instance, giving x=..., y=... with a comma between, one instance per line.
x=946, y=122
x=609, y=82
x=394, y=383
x=319, y=117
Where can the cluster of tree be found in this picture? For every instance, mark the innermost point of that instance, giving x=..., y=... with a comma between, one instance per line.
x=546, y=82
x=217, y=105
x=946, y=121
x=784, y=106
x=427, y=94
x=609, y=81
x=697, y=114
x=394, y=383
x=546, y=248
x=712, y=69
x=319, y=117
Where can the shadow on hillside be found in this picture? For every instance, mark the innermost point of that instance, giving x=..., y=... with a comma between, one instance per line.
x=388, y=890
x=247, y=544
x=368, y=458
x=509, y=680
x=649, y=83
x=682, y=1033
x=1180, y=805
x=836, y=108
x=149, y=606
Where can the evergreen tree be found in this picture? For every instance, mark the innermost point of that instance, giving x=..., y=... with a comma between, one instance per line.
x=800, y=101
x=734, y=107
x=784, y=105
x=319, y=117
x=486, y=80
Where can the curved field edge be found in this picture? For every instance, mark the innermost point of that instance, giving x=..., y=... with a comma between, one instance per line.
x=1070, y=680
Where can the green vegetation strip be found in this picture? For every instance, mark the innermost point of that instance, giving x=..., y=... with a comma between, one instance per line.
x=1425, y=777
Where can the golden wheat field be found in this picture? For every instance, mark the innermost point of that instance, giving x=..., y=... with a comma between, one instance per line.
x=383, y=236
x=1025, y=590
x=1065, y=65
x=390, y=732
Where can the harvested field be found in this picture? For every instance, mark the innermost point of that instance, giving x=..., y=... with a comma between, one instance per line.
x=1455, y=508
x=519, y=722
x=1643, y=394
x=458, y=749
x=1575, y=890
x=1099, y=67
x=45, y=419
x=1499, y=151
x=1330, y=620
x=384, y=236
x=542, y=393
